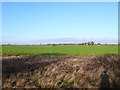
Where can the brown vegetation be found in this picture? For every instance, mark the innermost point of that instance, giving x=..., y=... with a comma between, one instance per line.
x=59, y=71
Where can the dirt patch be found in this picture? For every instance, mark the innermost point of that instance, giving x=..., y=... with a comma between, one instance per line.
x=43, y=71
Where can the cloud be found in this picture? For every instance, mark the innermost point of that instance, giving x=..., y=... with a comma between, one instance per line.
x=66, y=40
x=75, y=40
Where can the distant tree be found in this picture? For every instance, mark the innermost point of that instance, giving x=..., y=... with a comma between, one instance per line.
x=89, y=43
x=54, y=44
x=92, y=43
x=85, y=43
x=99, y=44
x=82, y=43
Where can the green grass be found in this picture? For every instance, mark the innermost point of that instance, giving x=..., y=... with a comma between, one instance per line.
x=0, y=49
x=58, y=50
x=68, y=84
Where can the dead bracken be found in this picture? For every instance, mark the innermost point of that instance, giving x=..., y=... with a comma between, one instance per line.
x=42, y=71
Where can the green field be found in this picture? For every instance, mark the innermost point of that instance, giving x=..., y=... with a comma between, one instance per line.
x=58, y=50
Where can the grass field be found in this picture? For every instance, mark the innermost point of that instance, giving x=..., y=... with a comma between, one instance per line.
x=58, y=50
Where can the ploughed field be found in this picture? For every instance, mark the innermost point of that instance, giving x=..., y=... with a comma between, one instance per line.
x=60, y=66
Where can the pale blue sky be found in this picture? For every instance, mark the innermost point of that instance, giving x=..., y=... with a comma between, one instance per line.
x=51, y=22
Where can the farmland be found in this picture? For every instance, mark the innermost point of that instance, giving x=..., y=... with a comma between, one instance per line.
x=61, y=66
x=59, y=50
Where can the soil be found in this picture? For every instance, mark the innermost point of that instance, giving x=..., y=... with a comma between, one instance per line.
x=42, y=71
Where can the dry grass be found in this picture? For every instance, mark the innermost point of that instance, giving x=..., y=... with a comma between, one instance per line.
x=59, y=71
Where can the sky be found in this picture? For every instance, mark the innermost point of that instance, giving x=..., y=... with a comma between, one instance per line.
x=59, y=22
x=0, y=24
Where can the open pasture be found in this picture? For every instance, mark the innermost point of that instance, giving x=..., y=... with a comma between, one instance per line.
x=59, y=50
